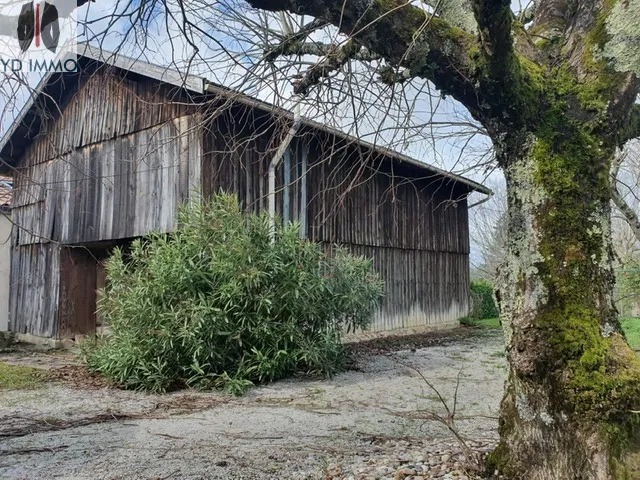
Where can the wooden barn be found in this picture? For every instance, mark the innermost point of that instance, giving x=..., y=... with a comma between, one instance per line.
x=107, y=154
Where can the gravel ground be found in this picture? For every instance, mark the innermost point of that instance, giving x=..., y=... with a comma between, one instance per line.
x=377, y=421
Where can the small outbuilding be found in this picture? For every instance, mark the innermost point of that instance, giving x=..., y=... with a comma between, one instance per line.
x=106, y=154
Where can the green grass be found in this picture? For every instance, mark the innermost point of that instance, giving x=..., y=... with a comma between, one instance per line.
x=17, y=376
x=485, y=323
x=631, y=327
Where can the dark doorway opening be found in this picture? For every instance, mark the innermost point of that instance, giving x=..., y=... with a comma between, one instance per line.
x=82, y=274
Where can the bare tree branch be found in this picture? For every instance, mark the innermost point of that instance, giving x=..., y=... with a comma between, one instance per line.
x=335, y=58
x=629, y=213
x=404, y=35
x=550, y=19
x=292, y=44
x=494, y=23
x=527, y=14
x=632, y=129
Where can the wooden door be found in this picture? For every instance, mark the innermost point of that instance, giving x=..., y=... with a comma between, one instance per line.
x=77, y=305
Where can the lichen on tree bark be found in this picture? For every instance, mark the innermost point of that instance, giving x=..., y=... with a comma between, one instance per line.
x=556, y=98
x=573, y=381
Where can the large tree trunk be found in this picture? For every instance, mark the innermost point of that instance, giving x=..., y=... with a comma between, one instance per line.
x=573, y=381
x=555, y=108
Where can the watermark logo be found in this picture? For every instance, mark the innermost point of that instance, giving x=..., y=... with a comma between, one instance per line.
x=38, y=36
x=41, y=23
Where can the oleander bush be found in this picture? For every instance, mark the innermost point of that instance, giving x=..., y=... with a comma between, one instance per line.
x=219, y=304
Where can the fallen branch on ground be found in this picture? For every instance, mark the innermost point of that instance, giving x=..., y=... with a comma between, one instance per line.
x=474, y=459
x=173, y=406
x=28, y=451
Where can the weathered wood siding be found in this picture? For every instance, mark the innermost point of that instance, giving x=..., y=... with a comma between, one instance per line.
x=123, y=187
x=35, y=285
x=361, y=198
x=422, y=287
x=238, y=146
x=413, y=225
x=126, y=151
x=104, y=106
x=115, y=165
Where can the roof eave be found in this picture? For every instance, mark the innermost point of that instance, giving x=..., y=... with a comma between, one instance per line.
x=199, y=85
x=270, y=108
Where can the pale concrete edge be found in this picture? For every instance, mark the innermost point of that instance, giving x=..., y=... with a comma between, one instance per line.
x=347, y=338
x=360, y=336
x=43, y=341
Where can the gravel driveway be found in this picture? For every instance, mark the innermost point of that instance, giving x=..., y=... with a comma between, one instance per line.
x=375, y=421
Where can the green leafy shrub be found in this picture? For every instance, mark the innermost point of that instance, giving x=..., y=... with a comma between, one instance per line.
x=217, y=304
x=483, y=304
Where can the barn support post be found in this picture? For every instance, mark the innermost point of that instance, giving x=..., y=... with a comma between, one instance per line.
x=303, y=189
x=276, y=161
